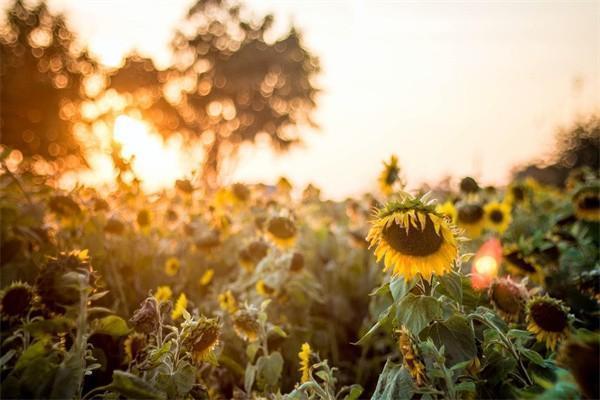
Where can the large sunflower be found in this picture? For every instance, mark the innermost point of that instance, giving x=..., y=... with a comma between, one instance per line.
x=586, y=202
x=389, y=175
x=414, y=239
x=498, y=216
x=547, y=319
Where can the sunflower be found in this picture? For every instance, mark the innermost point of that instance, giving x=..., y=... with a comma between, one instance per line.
x=580, y=354
x=389, y=175
x=144, y=218
x=203, y=338
x=114, y=226
x=206, y=277
x=252, y=254
x=304, y=356
x=180, y=306
x=410, y=356
x=469, y=185
x=517, y=193
x=586, y=202
x=508, y=297
x=134, y=346
x=282, y=231
x=448, y=210
x=227, y=302
x=172, y=266
x=547, y=319
x=263, y=289
x=163, y=293
x=16, y=300
x=498, y=216
x=240, y=192
x=471, y=218
x=246, y=325
x=414, y=239
x=146, y=318
x=522, y=265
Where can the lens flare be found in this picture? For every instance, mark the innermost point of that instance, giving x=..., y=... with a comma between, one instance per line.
x=485, y=264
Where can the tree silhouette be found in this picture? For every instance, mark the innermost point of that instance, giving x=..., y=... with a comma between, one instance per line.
x=42, y=76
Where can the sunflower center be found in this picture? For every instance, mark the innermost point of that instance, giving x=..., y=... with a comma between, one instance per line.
x=496, y=216
x=470, y=213
x=16, y=301
x=515, y=259
x=590, y=203
x=548, y=316
x=507, y=298
x=282, y=228
x=414, y=242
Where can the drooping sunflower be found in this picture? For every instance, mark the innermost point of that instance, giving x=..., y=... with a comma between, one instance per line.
x=282, y=231
x=163, y=293
x=413, y=239
x=227, y=302
x=508, y=297
x=203, y=338
x=16, y=300
x=471, y=218
x=548, y=319
x=146, y=318
x=172, y=266
x=586, y=202
x=304, y=356
x=448, y=210
x=498, y=216
x=246, y=325
x=389, y=175
x=134, y=346
x=180, y=306
x=410, y=356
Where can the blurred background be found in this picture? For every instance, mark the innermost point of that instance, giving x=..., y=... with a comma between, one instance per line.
x=106, y=92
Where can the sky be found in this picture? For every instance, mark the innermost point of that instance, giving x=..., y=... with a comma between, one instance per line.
x=452, y=88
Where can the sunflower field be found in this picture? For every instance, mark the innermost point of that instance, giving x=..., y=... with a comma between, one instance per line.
x=271, y=292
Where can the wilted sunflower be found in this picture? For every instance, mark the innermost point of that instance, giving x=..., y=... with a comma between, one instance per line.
x=498, y=216
x=134, y=346
x=163, y=293
x=203, y=338
x=448, y=210
x=16, y=300
x=227, y=302
x=304, y=356
x=413, y=238
x=282, y=231
x=389, y=175
x=263, y=289
x=206, y=277
x=547, y=319
x=172, y=266
x=410, y=356
x=508, y=297
x=246, y=325
x=471, y=218
x=586, y=202
x=252, y=254
x=180, y=306
x=580, y=354
x=146, y=319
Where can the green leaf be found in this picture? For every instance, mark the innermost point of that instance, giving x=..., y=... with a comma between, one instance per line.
x=465, y=387
x=49, y=326
x=277, y=330
x=416, y=312
x=134, y=387
x=519, y=334
x=532, y=356
x=451, y=286
x=69, y=376
x=156, y=355
x=251, y=350
x=111, y=325
x=179, y=383
x=34, y=352
x=383, y=319
x=355, y=392
x=268, y=370
x=457, y=337
x=394, y=383
x=249, y=377
x=399, y=287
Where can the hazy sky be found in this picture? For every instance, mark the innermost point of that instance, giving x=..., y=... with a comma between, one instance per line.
x=450, y=87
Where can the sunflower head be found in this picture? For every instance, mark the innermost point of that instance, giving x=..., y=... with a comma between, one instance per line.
x=59, y=282
x=548, y=319
x=16, y=300
x=469, y=185
x=389, y=176
x=146, y=319
x=580, y=354
x=304, y=356
x=202, y=338
x=227, y=302
x=282, y=231
x=508, y=297
x=240, y=192
x=245, y=324
x=586, y=202
x=410, y=356
x=471, y=218
x=180, y=306
x=521, y=264
x=172, y=266
x=134, y=346
x=114, y=226
x=413, y=239
x=498, y=216
x=163, y=293
x=252, y=254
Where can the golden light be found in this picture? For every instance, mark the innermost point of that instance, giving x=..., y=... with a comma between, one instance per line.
x=158, y=163
x=485, y=264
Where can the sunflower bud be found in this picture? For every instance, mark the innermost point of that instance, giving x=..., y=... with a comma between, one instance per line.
x=146, y=319
x=410, y=356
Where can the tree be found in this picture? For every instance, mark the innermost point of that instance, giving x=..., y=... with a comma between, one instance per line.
x=42, y=76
